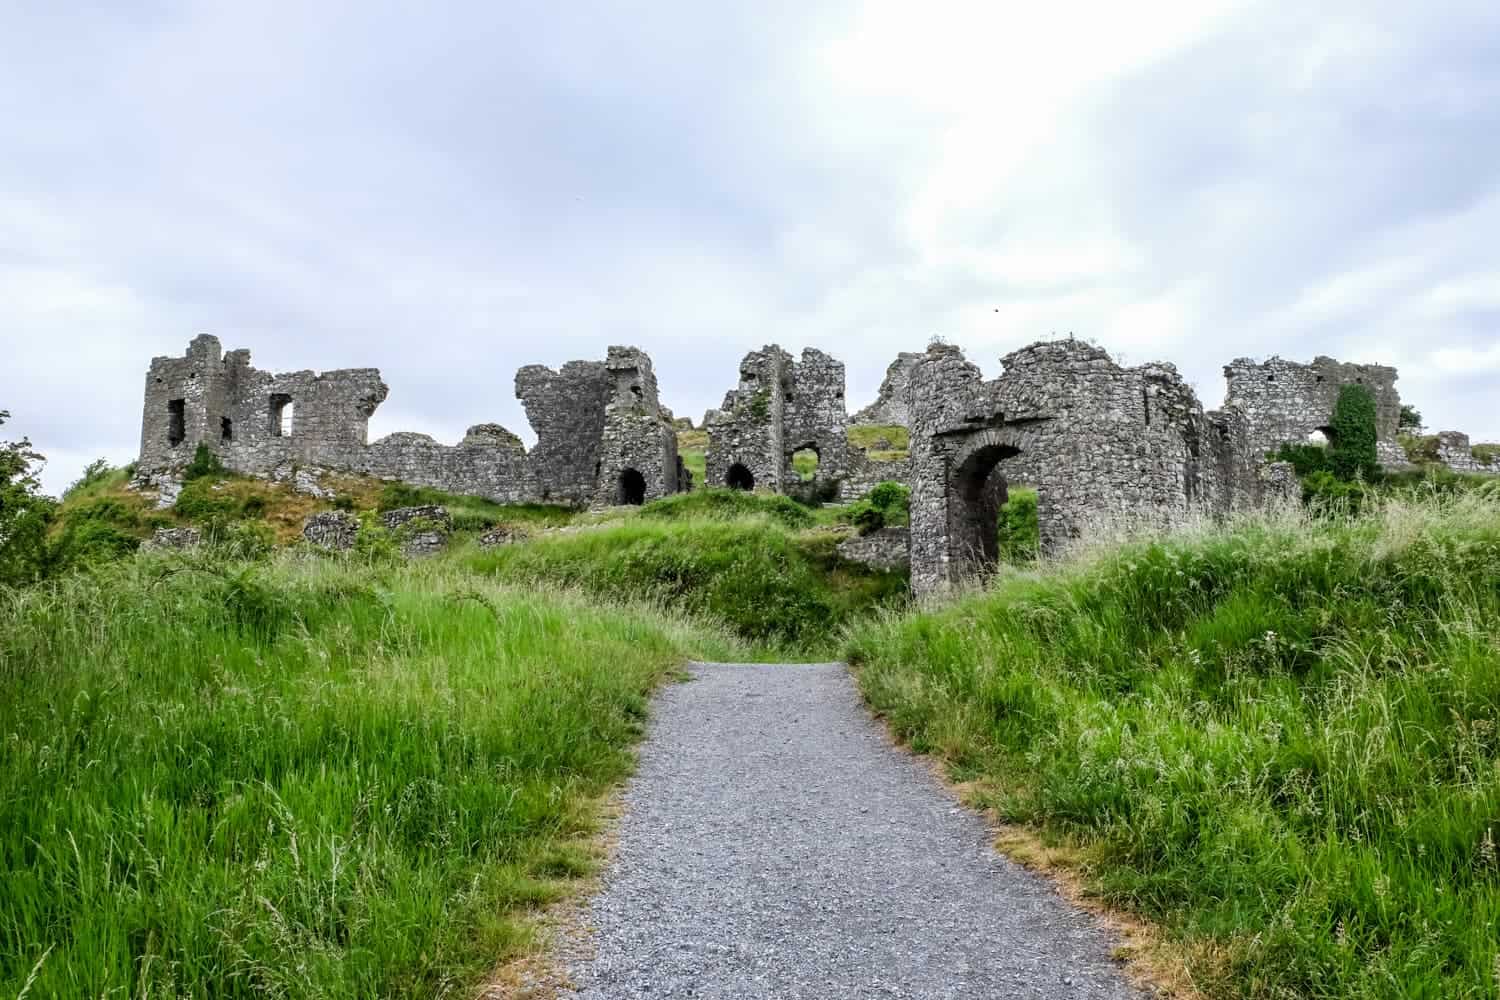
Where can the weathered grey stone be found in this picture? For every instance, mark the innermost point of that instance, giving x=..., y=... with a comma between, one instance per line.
x=175, y=538
x=331, y=529
x=1455, y=451
x=891, y=405
x=885, y=549
x=402, y=516
x=503, y=534
x=638, y=459
x=779, y=408
x=273, y=425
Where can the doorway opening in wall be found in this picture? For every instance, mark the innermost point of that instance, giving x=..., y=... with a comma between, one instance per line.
x=805, y=463
x=632, y=489
x=991, y=519
x=282, y=414
x=226, y=430
x=176, y=422
x=739, y=478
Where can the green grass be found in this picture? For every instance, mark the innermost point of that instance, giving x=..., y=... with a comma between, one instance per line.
x=1279, y=742
x=472, y=513
x=692, y=446
x=307, y=778
x=879, y=437
x=783, y=589
x=726, y=504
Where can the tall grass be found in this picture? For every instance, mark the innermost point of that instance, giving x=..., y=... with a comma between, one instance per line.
x=783, y=589
x=303, y=779
x=1278, y=741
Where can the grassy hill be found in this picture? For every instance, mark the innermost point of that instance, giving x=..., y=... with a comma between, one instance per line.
x=254, y=768
x=1278, y=741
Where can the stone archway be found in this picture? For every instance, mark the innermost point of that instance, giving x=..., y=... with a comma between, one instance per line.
x=632, y=490
x=739, y=477
x=977, y=488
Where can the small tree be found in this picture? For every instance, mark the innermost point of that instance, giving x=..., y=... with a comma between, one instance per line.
x=1352, y=454
x=24, y=513
x=1410, y=419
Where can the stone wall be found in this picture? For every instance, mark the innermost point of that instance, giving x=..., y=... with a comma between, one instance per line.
x=1284, y=401
x=890, y=406
x=886, y=549
x=1456, y=452
x=638, y=445
x=780, y=407
x=745, y=433
x=1108, y=449
x=864, y=474
x=264, y=424
x=566, y=409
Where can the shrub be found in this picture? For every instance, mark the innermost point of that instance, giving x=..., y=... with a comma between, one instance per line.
x=1305, y=459
x=1351, y=452
x=96, y=472
x=204, y=464
x=24, y=513
x=199, y=501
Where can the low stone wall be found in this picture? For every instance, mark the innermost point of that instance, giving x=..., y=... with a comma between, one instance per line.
x=886, y=549
x=864, y=475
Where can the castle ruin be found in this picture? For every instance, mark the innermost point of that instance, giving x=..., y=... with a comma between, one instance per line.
x=602, y=435
x=1107, y=448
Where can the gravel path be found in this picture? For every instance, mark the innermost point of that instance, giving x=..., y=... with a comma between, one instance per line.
x=775, y=845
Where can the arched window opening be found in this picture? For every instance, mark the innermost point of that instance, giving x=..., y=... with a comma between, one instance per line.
x=739, y=478
x=632, y=488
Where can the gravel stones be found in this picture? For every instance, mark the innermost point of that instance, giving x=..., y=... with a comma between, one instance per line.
x=775, y=845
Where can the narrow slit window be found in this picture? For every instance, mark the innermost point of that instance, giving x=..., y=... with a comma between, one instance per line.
x=226, y=430
x=176, y=422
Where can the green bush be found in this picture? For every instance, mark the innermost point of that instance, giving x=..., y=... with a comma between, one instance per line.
x=1351, y=449
x=200, y=502
x=205, y=464
x=887, y=504
x=95, y=473
x=720, y=503
x=1305, y=459
x=25, y=514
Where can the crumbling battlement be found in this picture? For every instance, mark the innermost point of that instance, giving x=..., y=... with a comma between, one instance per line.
x=780, y=407
x=890, y=406
x=260, y=423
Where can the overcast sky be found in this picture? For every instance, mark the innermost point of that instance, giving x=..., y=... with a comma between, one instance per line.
x=451, y=191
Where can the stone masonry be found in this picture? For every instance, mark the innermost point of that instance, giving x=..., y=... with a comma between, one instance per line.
x=1107, y=448
x=890, y=406
x=779, y=408
x=638, y=445
x=266, y=424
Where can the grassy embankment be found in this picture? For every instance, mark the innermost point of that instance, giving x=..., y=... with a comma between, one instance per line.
x=309, y=777
x=763, y=567
x=1278, y=742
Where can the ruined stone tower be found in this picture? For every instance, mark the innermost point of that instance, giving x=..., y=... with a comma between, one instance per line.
x=638, y=446
x=779, y=408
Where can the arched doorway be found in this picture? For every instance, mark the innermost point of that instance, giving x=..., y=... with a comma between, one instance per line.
x=739, y=478
x=979, y=491
x=632, y=488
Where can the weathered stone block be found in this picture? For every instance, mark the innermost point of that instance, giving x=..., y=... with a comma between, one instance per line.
x=886, y=549
x=332, y=529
